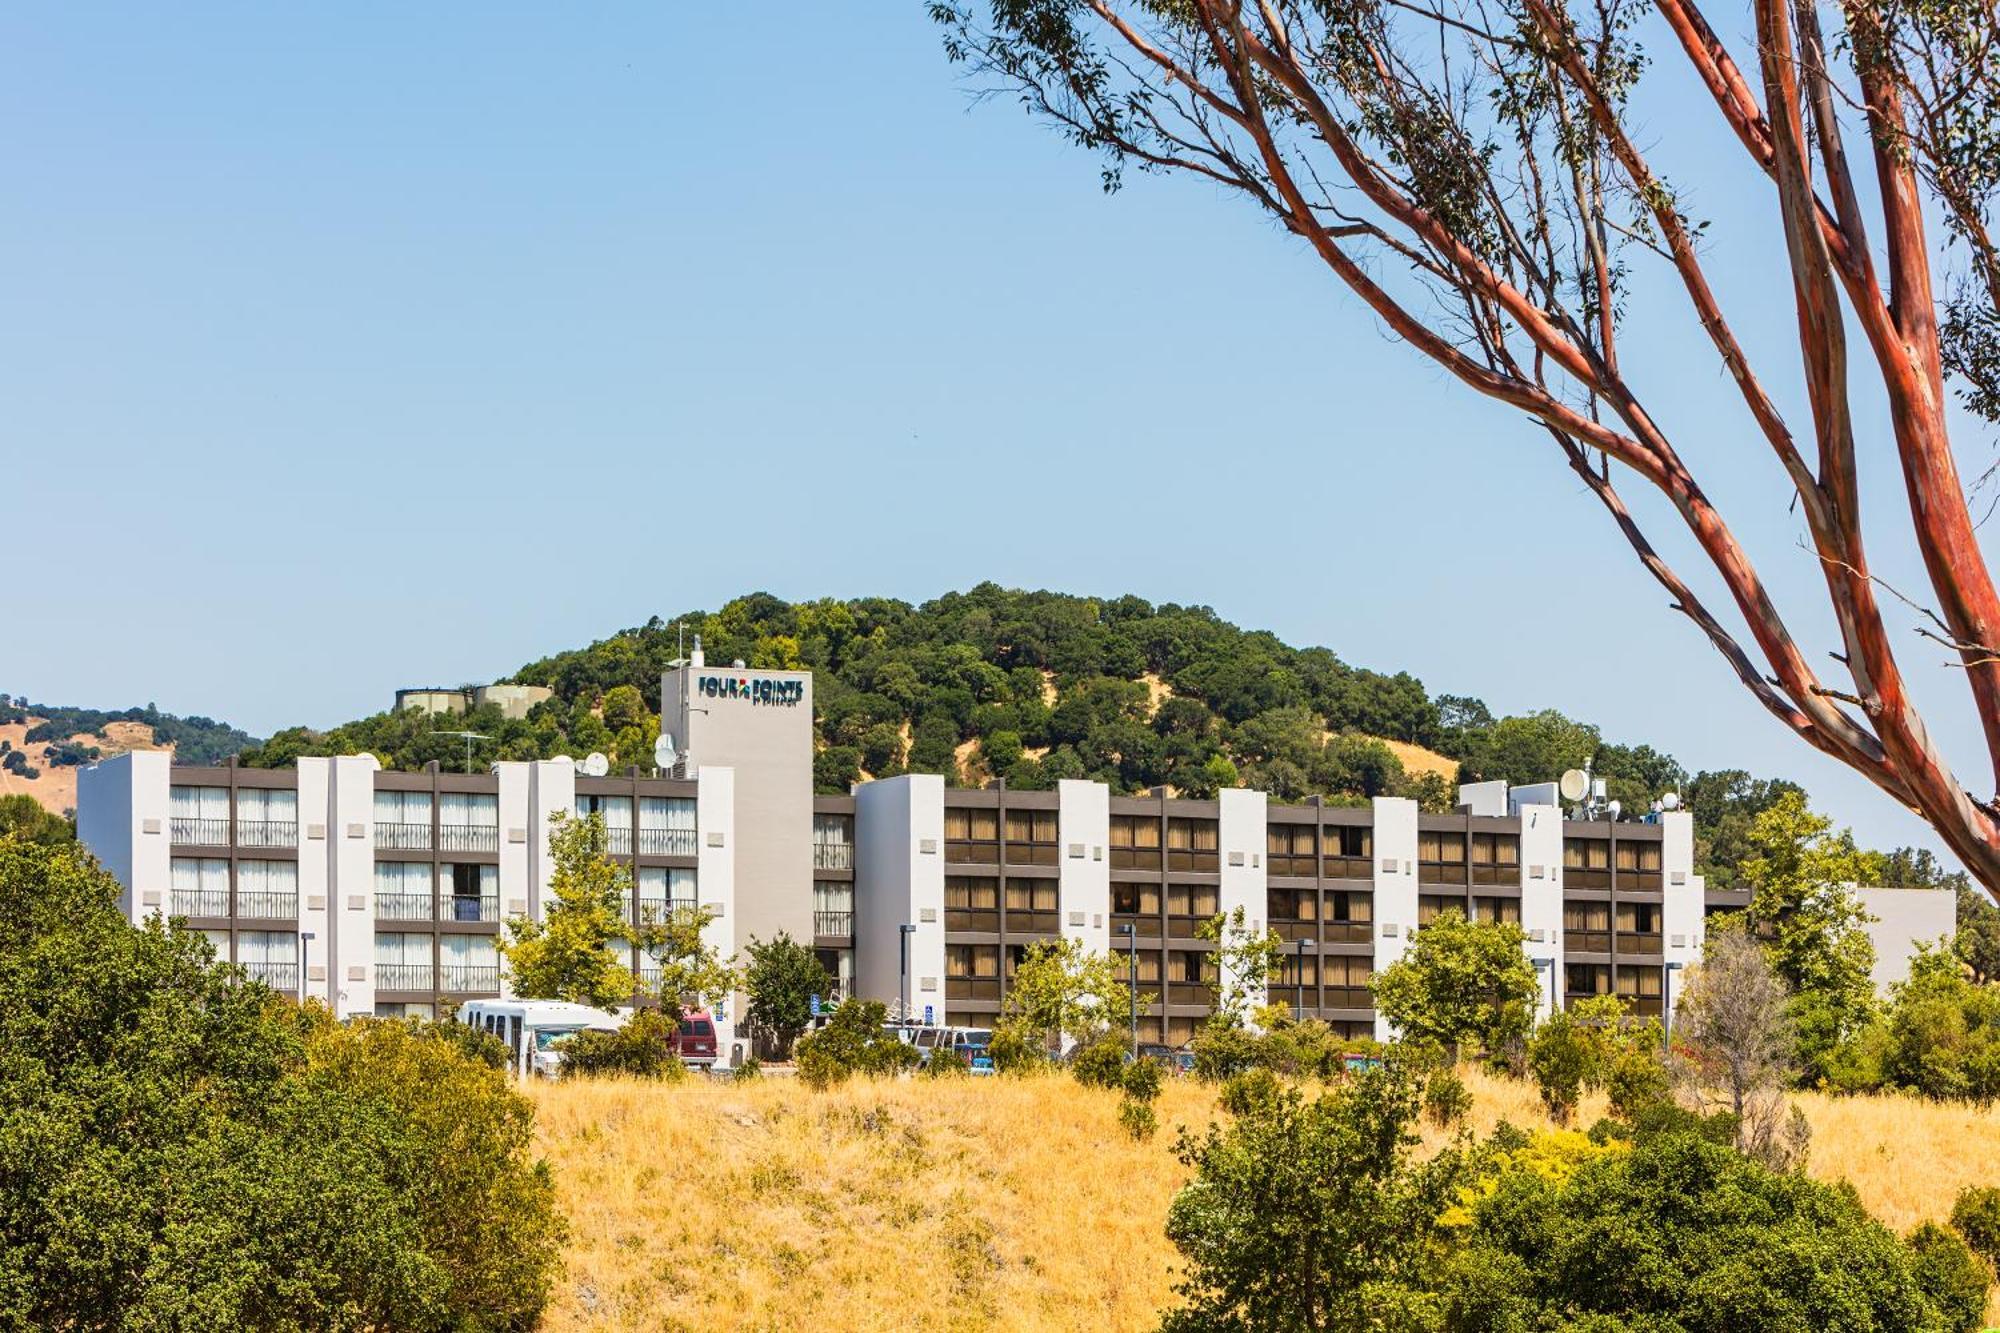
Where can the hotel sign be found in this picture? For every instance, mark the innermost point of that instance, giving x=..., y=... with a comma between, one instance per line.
x=774, y=693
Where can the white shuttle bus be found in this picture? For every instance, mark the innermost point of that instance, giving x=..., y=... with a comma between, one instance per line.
x=531, y=1028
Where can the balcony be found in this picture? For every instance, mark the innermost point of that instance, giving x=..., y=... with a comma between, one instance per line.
x=268, y=906
x=468, y=837
x=837, y=925
x=455, y=907
x=1186, y=927
x=1496, y=874
x=1347, y=997
x=1346, y=932
x=972, y=988
x=982, y=920
x=1283, y=863
x=278, y=976
x=199, y=902
x=1587, y=941
x=403, y=837
x=666, y=842
x=1349, y=867
x=1032, y=921
x=1181, y=859
x=656, y=911
x=1034, y=853
x=1135, y=858
x=468, y=978
x=403, y=976
x=972, y=853
x=1639, y=943
x=403, y=907
x=1188, y=994
x=267, y=833
x=651, y=974
x=187, y=831
x=833, y=856
x=1643, y=1006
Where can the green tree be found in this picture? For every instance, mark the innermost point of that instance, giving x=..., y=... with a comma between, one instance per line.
x=693, y=972
x=782, y=978
x=186, y=1150
x=642, y=1047
x=566, y=955
x=1245, y=962
x=854, y=1040
x=22, y=816
x=625, y=707
x=1061, y=991
x=1800, y=873
x=1461, y=983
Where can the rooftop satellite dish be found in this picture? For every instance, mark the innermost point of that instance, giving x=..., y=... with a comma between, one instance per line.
x=1671, y=801
x=1573, y=785
x=595, y=765
x=562, y=759
x=1616, y=808
x=664, y=753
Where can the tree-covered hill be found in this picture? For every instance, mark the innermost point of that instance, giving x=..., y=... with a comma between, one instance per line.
x=194, y=740
x=1032, y=687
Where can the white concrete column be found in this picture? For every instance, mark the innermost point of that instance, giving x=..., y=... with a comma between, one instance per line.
x=318, y=836
x=1240, y=836
x=1395, y=838
x=1542, y=900
x=1683, y=913
x=715, y=884
x=123, y=808
x=898, y=882
x=351, y=884
x=551, y=789
x=1083, y=893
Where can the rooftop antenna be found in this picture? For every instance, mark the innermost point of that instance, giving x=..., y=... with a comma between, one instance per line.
x=469, y=737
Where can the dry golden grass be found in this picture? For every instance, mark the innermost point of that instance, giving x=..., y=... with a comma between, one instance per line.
x=996, y=1203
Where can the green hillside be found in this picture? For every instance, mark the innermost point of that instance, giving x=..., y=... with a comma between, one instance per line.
x=196, y=740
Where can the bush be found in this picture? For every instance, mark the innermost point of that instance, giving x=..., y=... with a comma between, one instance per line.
x=854, y=1041
x=1560, y=1058
x=1142, y=1080
x=1447, y=1101
x=1222, y=1050
x=1137, y=1119
x=752, y=1068
x=1100, y=1063
x=641, y=1048
x=1951, y=1275
x=1013, y=1049
x=1976, y=1216
x=1637, y=1079
x=186, y=1150
x=1249, y=1092
x=474, y=1043
x=945, y=1063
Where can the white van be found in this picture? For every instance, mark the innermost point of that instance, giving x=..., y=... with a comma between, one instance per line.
x=532, y=1027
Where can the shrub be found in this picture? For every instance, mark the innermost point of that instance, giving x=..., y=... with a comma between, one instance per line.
x=473, y=1043
x=641, y=1048
x=1222, y=1050
x=945, y=1063
x=1976, y=1216
x=1142, y=1080
x=1636, y=1079
x=1249, y=1092
x=1560, y=1058
x=1100, y=1063
x=1447, y=1101
x=1951, y=1275
x=853, y=1041
x=186, y=1150
x=1137, y=1119
x=1014, y=1049
x=751, y=1068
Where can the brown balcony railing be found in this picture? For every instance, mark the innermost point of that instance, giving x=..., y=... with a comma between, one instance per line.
x=972, y=853
x=1027, y=921
x=403, y=906
x=1034, y=853
x=967, y=918
x=1135, y=858
x=199, y=902
x=1349, y=867
x=268, y=906
x=1191, y=994
x=403, y=837
x=1348, y=997
x=1282, y=864
x=1587, y=941
x=1346, y=932
x=189, y=832
x=972, y=988
x=403, y=976
x=278, y=976
x=267, y=833
x=834, y=924
x=1199, y=861
x=1638, y=942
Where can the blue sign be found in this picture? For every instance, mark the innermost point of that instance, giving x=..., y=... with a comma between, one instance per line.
x=928, y=1020
x=815, y=1010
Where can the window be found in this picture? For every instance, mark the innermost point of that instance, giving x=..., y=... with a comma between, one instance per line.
x=199, y=816
x=1296, y=972
x=1135, y=900
x=1583, y=980
x=972, y=971
x=402, y=962
x=1440, y=858
x=839, y=964
x=833, y=908
x=1638, y=928
x=403, y=820
x=200, y=887
x=1349, y=916
x=1032, y=837
x=1292, y=904
x=1031, y=906
x=1135, y=842
x=469, y=822
x=1638, y=864
x=470, y=963
x=1587, y=927
x=1350, y=850
x=1496, y=858
x=1189, y=968
x=972, y=835
x=1346, y=980
x=971, y=903
x=402, y=891
x=270, y=956
x=267, y=889
x=1291, y=849
x=468, y=892
x=267, y=817
x=664, y=890
x=1193, y=844
x=1640, y=986
x=1587, y=863
x=1196, y=900
x=833, y=841
x=1504, y=910
x=1430, y=906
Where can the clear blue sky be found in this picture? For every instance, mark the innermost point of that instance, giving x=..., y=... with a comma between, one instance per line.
x=347, y=347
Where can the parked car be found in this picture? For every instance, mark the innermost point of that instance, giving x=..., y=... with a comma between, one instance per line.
x=534, y=1030
x=971, y=1045
x=694, y=1042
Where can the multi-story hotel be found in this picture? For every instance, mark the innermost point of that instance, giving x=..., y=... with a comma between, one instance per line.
x=384, y=892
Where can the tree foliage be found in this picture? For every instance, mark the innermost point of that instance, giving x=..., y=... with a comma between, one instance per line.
x=1062, y=992
x=853, y=1041
x=184, y=1149
x=567, y=954
x=1461, y=984
x=782, y=978
x=22, y=816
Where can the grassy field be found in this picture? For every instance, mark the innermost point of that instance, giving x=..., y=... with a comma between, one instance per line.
x=1000, y=1203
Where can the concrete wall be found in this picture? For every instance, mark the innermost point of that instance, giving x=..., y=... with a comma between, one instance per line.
x=1905, y=918
x=318, y=910
x=122, y=808
x=1240, y=836
x=350, y=842
x=716, y=853
x=1542, y=899
x=1083, y=822
x=898, y=881
x=760, y=724
x=1395, y=884
x=1684, y=910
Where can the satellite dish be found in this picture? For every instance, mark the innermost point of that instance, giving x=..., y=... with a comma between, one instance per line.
x=664, y=753
x=1671, y=801
x=562, y=759
x=595, y=765
x=1573, y=785
x=1616, y=809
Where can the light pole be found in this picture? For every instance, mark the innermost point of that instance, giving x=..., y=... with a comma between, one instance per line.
x=906, y=930
x=1667, y=1002
x=1131, y=934
x=305, y=952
